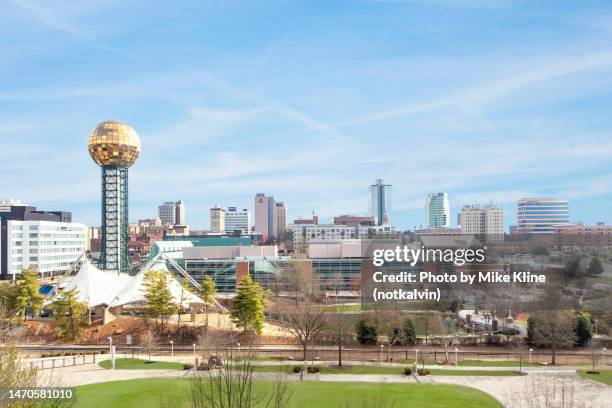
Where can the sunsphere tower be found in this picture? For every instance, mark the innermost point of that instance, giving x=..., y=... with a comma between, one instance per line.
x=114, y=146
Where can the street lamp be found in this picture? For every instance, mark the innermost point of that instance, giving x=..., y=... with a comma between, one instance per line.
x=239, y=348
x=172, y=347
x=110, y=344
x=381, y=352
x=530, y=350
x=603, y=352
x=456, y=360
x=416, y=357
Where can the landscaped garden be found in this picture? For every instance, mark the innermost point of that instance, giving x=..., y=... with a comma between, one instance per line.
x=158, y=392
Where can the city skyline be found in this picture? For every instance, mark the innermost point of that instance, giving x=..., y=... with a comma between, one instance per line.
x=296, y=109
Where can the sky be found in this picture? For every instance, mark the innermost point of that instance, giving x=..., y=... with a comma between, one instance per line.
x=310, y=101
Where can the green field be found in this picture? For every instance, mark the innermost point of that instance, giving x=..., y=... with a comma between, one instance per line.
x=495, y=363
x=156, y=392
x=604, y=376
x=138, y=364
x=373, y=369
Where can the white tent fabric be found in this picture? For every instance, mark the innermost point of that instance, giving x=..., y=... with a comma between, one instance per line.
x=96, y=287
x=134, y=290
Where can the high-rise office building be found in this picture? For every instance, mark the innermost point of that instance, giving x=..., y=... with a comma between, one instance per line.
x=541, y=215
x=172, y=213
x=265, y=216
x=114, y=146
x=487, y=223
x=280, y=219
x=237, y=220
x=437, y=211
x=380, y=200
x=217, y=219
x=45, y=240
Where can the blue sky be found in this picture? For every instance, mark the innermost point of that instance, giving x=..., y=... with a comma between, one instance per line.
x=489, y=100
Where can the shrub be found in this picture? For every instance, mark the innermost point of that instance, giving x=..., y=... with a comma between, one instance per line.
x=423, y=371
x=407, y=371
x=187, y=366
x=297, y=369
x=313, y=370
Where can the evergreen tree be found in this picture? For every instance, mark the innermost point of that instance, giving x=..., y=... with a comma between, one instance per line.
x=584, y=332
x=71, y=311
x=595, y=266
x=366, y=333
x=159, y=300
x=247, y=310
x=409, y=332
x=28, y=296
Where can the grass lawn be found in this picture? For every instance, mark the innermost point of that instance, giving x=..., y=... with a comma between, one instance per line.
x=156, y=392
x=138, y=364
x=495, y=363
x=604, y=376
x=372, y=369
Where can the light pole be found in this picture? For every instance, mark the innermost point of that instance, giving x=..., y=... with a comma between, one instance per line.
x=456, y=360
x=239, y=349
x=381, y=352
x=110, y=344
x=595, y=321
x=416, y=357
x=195, y=362
x=172, y=347
x=603, y=352
x=530, y=350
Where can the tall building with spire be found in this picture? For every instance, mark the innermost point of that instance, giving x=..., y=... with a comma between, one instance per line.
x=379, y=205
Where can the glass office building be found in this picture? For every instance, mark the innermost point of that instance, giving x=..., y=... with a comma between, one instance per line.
x=541, y=215
x=437, y=211
x=380, y=201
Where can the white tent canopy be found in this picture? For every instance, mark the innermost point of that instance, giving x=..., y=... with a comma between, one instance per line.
x=134, y=290
x=96, y=287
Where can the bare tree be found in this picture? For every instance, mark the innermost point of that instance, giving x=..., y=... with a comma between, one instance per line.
x=547, y=392
x=305, y=322
x=233, y=387
x=554, y=329
x=148, y=342
x=341, y=327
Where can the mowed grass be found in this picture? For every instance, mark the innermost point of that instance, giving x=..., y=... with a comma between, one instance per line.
x=156, y=392
x=373, y=369
x=495, y=363
x=604, y=376
x=138, y=364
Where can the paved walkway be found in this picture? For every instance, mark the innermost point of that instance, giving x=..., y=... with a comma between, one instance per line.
x=506, y=389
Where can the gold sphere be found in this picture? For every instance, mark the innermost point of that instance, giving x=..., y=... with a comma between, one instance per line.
x=114, y=143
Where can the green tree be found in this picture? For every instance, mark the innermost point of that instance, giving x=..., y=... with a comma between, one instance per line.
x=8, y=300
x=159, y=300
x=71, y=312
x=208, y=293
x=28, y=296
x=409, y=333
x=366, y=333
x=247, y=310
x=595, y=266
x=553, y=329
x=584, y=331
